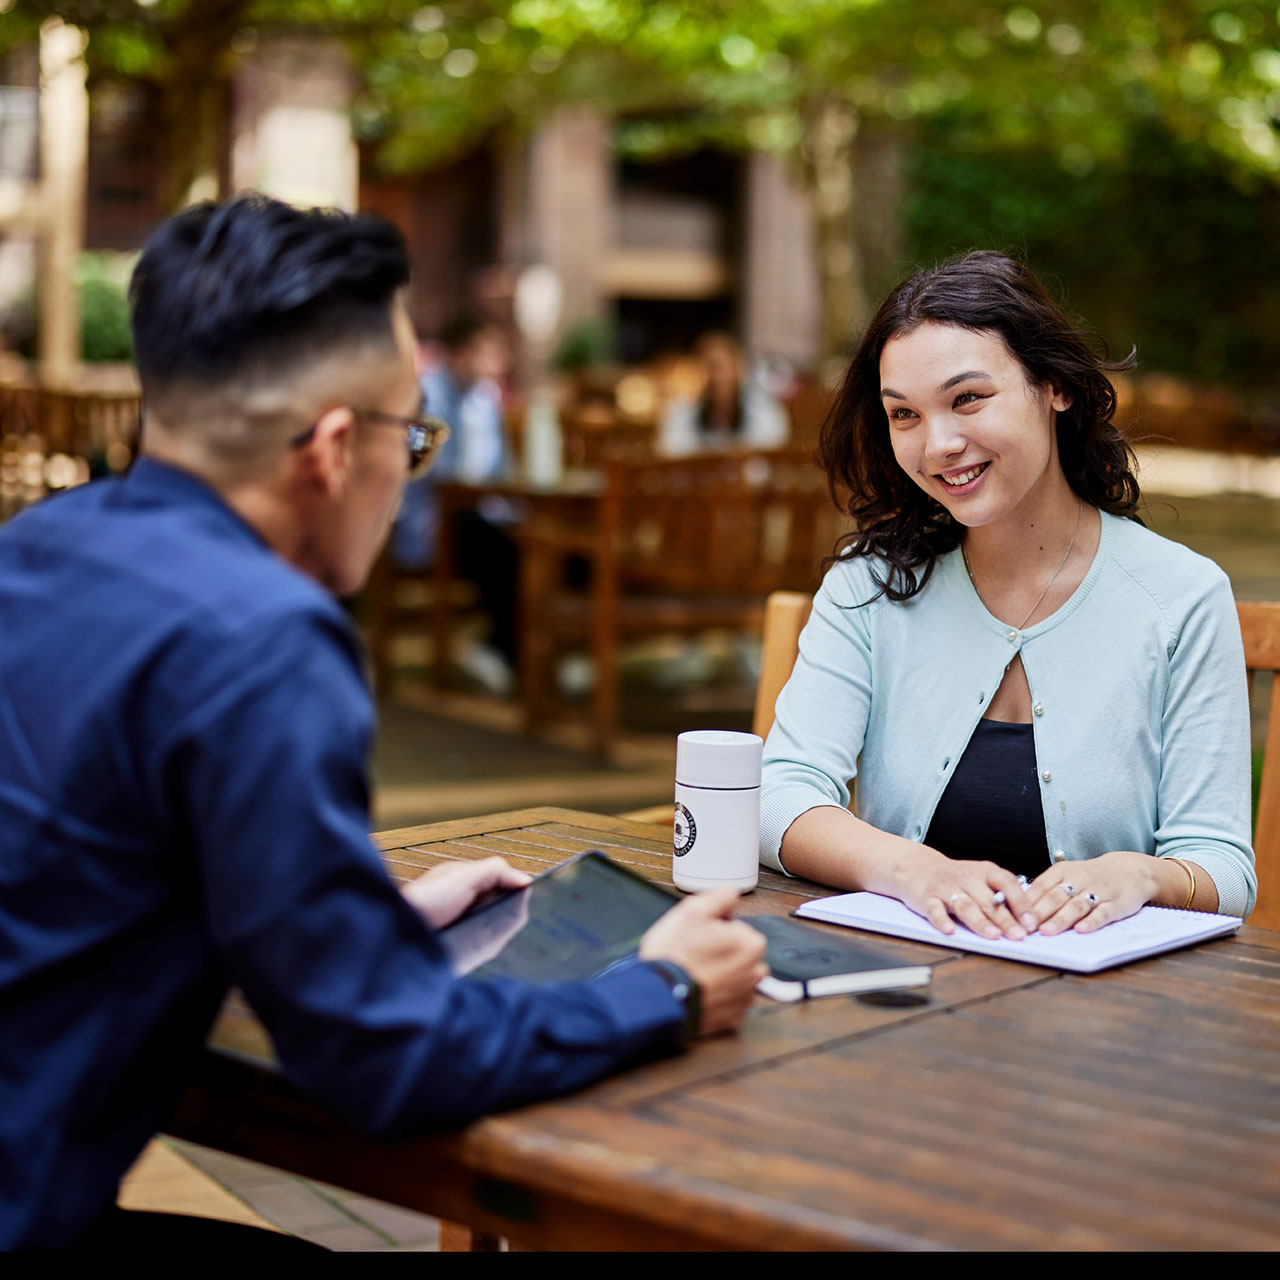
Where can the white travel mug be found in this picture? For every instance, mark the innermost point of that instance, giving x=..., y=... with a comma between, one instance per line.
x=717, y=818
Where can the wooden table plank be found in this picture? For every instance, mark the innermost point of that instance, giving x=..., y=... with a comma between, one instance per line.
x=774, y=1033
x=510, y=819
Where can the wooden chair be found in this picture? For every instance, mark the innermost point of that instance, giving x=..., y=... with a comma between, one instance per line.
x=53, y=439
x=785, y=613
x=681, y=546
x=1260, y=627
x=404, y=602
x=101, y=426
x=596, y=435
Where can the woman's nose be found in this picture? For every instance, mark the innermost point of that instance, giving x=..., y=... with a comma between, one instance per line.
x=943, y=438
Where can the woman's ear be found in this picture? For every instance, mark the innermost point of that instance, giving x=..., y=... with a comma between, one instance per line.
x=1060, y=400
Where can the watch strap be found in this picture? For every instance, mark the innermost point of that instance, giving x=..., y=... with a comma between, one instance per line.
x=687, y=991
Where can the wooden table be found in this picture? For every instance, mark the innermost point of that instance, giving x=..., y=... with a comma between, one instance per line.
x=1019, y=1108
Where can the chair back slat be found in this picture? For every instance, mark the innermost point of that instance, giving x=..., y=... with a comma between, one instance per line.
x=785, y=613
x=1260, y=628
x=733, y=524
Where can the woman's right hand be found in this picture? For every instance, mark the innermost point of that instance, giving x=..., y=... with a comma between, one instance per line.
x=832, y=846
x=985, y=897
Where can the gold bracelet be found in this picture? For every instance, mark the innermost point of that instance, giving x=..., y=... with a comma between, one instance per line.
x=1186, y=906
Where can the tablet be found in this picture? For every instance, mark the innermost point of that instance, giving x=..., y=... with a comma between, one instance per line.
x=570, y=924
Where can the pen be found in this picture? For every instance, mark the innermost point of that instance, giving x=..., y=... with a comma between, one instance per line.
x=1023, y=883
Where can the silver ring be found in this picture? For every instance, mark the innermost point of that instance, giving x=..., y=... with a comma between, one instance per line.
x=998, y=899
x=1069, y=889
x=951, y=901
x=1091, y=899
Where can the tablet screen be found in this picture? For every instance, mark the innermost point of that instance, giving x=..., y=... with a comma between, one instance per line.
x=571, y=923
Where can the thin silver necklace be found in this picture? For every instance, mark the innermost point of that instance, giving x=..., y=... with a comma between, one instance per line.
x=1047, y=585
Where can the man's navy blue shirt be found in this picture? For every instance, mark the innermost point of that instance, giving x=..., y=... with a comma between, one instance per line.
x=184, y=735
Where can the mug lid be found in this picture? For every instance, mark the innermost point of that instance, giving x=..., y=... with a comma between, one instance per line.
x=718, y=758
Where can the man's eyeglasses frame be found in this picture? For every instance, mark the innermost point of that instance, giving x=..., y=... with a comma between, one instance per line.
x=424, y=436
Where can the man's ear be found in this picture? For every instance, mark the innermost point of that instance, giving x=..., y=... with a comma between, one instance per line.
x=326, y=458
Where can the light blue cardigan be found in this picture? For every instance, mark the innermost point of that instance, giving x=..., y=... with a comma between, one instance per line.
x=1140, y=709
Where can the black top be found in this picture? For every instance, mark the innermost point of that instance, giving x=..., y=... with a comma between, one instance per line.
x=991, y=807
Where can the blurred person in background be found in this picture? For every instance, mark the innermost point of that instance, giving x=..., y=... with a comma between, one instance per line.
x=184, y=736
x=464, y=389
x=734, y=411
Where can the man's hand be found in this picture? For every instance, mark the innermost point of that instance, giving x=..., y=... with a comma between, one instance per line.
x=445, y=892
x=722, y=955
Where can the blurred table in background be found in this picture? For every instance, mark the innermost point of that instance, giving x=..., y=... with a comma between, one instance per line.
x=572, y=502
x=636, y=548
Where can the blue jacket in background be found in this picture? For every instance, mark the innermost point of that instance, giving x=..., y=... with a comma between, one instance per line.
x=476, y=450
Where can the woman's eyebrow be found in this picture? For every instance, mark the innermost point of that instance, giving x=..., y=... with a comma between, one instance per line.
x=946, y=386
x=963, y=377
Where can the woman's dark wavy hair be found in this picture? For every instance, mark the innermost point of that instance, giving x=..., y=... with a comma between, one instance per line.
x=895, y=521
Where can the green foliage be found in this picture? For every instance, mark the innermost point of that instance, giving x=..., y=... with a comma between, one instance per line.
x=102, y=279
x=1095, y=120
x=751, y=71
x=1078, y=85
x=589, y=342
x=1162, y=244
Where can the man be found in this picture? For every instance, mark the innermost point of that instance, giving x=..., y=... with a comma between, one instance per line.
x=183, y=736
x=463, y=390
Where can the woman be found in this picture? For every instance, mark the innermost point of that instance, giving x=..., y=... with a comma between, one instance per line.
x=1023, y=678
x=734, y=411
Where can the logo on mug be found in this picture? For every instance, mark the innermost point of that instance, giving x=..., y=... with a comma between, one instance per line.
x=686, y=830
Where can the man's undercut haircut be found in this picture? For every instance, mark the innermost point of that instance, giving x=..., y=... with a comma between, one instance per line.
x=251, y=291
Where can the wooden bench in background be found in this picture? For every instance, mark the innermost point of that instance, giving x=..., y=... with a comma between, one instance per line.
x=54, y=439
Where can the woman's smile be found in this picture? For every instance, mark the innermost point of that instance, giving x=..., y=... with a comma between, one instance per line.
x=964, y=481
x=966, y=423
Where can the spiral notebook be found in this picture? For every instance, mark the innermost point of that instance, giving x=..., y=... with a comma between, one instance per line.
x=1148, y=933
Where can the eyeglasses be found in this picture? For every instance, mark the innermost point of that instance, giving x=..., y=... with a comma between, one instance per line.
x=424, y=435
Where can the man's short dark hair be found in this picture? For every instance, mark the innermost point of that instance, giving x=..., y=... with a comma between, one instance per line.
x=255, y=288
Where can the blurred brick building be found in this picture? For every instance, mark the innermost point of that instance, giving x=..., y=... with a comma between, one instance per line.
x=658, y=251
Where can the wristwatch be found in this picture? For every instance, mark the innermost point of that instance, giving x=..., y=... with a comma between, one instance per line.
x=687, y=991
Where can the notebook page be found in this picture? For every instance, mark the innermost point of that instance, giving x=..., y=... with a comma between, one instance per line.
x=1149, y=932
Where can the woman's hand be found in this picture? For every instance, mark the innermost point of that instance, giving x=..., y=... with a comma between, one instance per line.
x=1086, y=895
x=985, y=897
x=442, y=894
